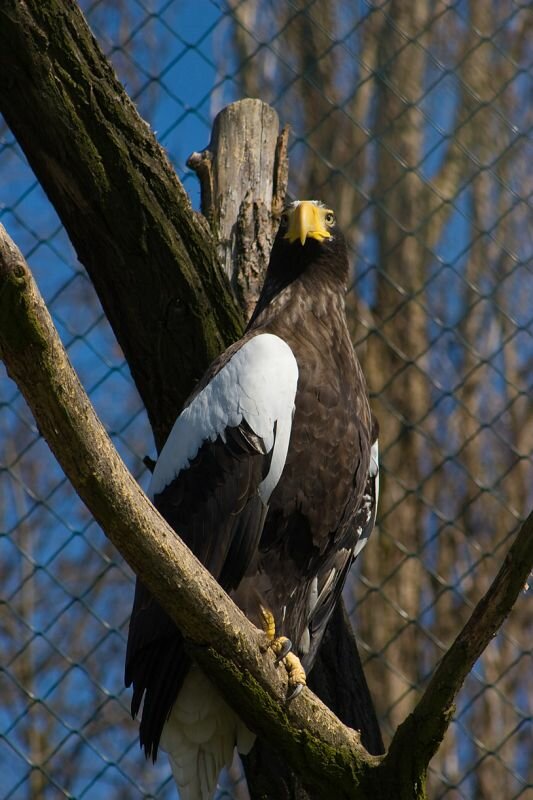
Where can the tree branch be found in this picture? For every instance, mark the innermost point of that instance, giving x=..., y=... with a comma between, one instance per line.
x=424, y=729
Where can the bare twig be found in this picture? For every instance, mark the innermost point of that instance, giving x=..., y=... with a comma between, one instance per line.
x=422, y=732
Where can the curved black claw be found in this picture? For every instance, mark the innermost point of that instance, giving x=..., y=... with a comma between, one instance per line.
x=284, y=647
x=295, y=692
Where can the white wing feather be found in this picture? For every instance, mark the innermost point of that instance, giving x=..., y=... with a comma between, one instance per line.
x=258, y=384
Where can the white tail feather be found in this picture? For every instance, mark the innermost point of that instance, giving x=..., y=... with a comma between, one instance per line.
x=200, y=735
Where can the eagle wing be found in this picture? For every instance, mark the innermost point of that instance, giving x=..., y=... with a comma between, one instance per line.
x=212, y=483
x=327, y=587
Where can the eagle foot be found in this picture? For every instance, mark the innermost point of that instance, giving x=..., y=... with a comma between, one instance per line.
x=281, y=646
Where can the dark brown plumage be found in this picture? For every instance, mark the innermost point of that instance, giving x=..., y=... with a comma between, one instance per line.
x=290, y=553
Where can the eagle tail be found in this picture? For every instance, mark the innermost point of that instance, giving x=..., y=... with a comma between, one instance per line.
x=200, y=736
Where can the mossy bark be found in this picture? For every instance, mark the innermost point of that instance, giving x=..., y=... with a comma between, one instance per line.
x=125, y=211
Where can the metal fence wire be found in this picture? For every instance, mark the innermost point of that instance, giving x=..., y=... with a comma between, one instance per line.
x=413, y=120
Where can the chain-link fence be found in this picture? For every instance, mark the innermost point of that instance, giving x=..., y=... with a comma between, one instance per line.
x=412, y=120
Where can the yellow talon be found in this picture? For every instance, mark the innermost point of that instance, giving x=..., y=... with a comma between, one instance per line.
x=279, y=644
x=281, y=647
x=296, y=673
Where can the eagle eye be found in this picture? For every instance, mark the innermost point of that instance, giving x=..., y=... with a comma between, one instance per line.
x=329, y=218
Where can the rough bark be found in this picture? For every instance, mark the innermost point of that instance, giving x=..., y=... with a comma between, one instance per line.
x=328, y=756
x=243, y=176
x=124, y=209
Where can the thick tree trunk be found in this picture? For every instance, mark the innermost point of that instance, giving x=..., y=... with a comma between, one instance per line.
x=150, y=258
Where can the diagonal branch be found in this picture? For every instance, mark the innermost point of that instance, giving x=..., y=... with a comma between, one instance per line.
x=424, y=729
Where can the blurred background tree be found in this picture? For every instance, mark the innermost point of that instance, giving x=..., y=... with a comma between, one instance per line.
x=411, y=119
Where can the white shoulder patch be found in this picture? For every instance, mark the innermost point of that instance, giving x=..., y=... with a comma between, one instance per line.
x=257, y=384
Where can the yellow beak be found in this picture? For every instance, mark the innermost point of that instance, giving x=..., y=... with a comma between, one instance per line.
x=307, y=220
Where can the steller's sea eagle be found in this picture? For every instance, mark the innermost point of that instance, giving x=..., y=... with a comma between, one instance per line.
x=270, y=476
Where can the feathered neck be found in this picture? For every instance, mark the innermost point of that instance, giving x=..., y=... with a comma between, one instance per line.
x=303, y=277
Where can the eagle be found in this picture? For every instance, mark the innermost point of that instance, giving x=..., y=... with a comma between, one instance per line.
x=270, y=476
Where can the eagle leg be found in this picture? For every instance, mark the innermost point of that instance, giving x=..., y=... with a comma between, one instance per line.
x=281, y=647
